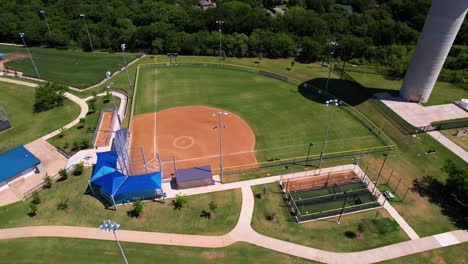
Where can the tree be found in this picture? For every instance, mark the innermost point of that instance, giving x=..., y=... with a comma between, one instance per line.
x=311, y=50
x=137, y=208
x=457, y=181
x=78, y=169
x=47, y=181
x=36, y=198
x=62, y=204
x=48, y=96
x=179, y=202
x=212, y=207
x=63, y=174
x=361, y=229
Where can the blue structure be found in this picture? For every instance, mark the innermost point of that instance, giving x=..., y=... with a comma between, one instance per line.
x=194, y=177
x=117, y=188
x=15, y=163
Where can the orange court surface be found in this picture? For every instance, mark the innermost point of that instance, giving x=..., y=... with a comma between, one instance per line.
x=188, y=133
x=105, y=131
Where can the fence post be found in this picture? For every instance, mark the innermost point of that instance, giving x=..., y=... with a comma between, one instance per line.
x=397, y=185
x=389, y=177
x=405, y=194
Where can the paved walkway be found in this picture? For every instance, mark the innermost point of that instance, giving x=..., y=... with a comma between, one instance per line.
x=243, y=232
x=418, y=116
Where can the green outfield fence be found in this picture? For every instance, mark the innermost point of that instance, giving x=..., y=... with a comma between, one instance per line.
x=388, y=144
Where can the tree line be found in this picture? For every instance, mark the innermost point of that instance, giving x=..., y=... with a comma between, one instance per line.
x=385, y=33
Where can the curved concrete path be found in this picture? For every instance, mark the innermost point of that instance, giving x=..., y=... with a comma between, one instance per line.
x=243, y=232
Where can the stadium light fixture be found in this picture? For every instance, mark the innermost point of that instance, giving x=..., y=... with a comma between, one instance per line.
x=48, y=27
x=123, y=47
x=220, y=23
x=328, y=103
x=220, y=127
x=108, y=225
x=21, y=34
x=332, y=45
x=87, y=31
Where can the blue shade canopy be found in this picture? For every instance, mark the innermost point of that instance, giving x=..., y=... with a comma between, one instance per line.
x=119, y=187
x=15, y=161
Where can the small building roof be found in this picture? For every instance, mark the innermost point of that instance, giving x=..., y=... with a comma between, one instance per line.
x=193, y=174
x=15, y=161
x=2, y=54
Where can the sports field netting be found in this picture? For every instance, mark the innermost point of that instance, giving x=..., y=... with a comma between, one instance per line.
x=346, y=193
x=286, y=124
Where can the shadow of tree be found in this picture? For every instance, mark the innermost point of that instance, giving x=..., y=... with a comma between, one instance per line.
x=440, y=194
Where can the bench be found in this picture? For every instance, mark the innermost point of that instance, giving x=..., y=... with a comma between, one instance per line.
x=389, y=195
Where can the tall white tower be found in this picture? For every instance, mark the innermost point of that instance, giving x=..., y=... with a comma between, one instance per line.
x=440, y=29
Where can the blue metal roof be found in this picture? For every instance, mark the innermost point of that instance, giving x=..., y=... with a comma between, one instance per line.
x=15, y=161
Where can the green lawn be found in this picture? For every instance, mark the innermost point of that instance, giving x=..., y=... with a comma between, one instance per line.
x=443, y=93
x=75, y=68
x=64, y=250
x=85, y=210
x=279, y=116
x=461, y=141
x=17, y=101
x=452, y=254
x=83, y=132
x=322, y=234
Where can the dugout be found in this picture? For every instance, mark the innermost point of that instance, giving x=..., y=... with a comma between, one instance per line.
x=194, y=177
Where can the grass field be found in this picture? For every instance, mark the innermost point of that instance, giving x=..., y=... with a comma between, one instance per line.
x=83, y=131
x=321, y=234
x=17, y=101
x=85, y=210
x=74, y=68
x=461, y=141
x=284, y=122
x=62, y=250
x=452, y=254
x=443, y=93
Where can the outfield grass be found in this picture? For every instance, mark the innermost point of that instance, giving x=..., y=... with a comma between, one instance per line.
x=443, y=93
x=74, y=68
x=83, y=131
x=283, y=121
x=67, y=250
x=85, y=210
x=18, y=101
x=322, y=234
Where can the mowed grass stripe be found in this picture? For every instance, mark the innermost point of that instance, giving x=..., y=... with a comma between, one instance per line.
x=278, y=115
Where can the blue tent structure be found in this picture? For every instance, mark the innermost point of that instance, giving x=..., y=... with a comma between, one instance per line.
x=117, y=188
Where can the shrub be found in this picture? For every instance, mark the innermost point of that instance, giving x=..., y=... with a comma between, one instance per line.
x=62, y=205
x=63, y=174
x=212, y=206
x=179, y=202
x=47, y=181
x=48, y=96
x=137, y=208
x=32, y=209
x=78, y=170
x=36, y=198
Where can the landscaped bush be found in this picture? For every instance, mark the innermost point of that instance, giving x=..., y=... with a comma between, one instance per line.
x=78, y=170
x=63, y=174
x=179, y=202
x=47, y=181
x=49, y=96
x=32, y=209
x=36, y=198
x=62, y=204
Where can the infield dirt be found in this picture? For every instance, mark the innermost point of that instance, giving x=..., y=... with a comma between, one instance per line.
x=191, y=135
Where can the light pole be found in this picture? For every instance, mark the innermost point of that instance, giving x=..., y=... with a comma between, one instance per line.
x=50, y=32
x=220, y=127
x=21, y=34
x=328, y=104
x=109, y=86
x=220, y=23
x=109, y=225
x=126, y=68
x=333, y=44
x=87, y=31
